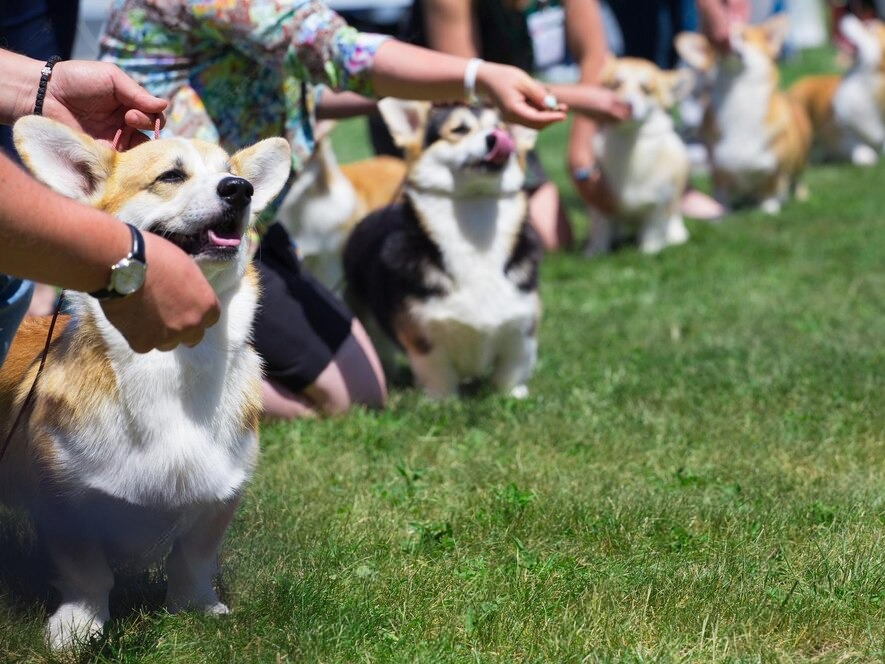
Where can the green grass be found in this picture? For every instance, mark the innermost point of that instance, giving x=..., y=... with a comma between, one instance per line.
x=697, y=476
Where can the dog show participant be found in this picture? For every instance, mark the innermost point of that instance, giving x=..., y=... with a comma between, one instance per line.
x=49, y=238
x=235, y=73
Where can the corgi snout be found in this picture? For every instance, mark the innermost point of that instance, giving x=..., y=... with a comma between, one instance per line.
x=235, y=191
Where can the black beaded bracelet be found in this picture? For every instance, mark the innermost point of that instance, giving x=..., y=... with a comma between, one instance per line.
x=44, y=81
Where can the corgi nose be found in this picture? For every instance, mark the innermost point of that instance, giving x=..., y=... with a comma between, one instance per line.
x=236, y=191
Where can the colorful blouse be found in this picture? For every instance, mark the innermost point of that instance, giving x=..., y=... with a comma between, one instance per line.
x=234, y=70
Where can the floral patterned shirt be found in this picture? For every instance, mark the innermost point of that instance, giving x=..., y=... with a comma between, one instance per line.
x=235, y=71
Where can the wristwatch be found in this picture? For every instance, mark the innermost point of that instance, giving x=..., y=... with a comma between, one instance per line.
x=127, y=274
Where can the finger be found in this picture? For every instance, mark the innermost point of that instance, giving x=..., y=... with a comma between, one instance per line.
x=166, y=347
x=143, y=121
x=533, y=118
x=193, y=339
x=212, y=315
x=131, y=95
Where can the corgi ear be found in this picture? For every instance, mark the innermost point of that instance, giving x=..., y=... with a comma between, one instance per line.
x=66, y=160
x=266, y=165
x=677, y=85
x=696, y=50
x=523, y=137
x=776, y=29
x=405, y=119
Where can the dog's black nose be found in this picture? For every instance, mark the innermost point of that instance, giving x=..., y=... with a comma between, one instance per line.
x=236, y=191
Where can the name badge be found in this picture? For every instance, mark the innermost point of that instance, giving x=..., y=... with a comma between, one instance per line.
x=547, y=30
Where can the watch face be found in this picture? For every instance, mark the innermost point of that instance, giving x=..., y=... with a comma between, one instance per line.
x=127, y=276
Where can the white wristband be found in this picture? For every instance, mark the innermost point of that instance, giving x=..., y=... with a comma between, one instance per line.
x=470, y=80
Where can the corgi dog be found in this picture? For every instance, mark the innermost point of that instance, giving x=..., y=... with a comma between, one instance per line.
x=643, y=160
x=451, y=273
x=326, y=201
x=848, y=112
x=122, y=458
x=757, y=137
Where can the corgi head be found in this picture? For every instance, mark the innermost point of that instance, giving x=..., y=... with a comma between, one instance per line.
x=458, y=150
x=754, y=49
x=645, y=87
x=190, y=192
x=867, y=41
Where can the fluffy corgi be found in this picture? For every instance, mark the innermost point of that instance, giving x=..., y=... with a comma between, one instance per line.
x=122, y=457
x=327, y=200
x=451, y=273
x=643, y=160
x=757, y=137
x=848, y=112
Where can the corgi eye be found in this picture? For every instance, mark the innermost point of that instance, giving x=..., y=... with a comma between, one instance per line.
x=647, y=88
x=175, y=176
x=461, y=129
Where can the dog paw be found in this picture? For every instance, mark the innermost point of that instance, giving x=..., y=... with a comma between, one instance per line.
x=520, y=392
x=864, y=155
x=771, y=206
x=72, y=626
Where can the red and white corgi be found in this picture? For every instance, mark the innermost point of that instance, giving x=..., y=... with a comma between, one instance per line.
x=327, y=200
x=451, y=273
x=122, y=457
x=757, y=137
x=643, y=160
x=848, y=112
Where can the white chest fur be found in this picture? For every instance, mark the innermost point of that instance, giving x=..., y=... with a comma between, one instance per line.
x=645, y=164
x=856, y=109
x=476, y=236
x=173, y=433
x=740, y=105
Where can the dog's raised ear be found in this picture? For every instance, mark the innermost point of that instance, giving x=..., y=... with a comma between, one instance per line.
x=524, y=137
x=696, y=50
x=66, y=160
x=678, y=84
x=405, y=120
x=776, y=30
x=266, y=165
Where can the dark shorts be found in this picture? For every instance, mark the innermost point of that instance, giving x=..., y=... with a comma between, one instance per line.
x=300, y=325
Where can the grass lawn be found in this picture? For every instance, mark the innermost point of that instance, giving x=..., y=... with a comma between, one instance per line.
x=698, y=475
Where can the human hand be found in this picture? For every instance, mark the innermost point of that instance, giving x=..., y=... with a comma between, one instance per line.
x=98, y=99
x=175, y=305
x=519, y=97
x=593, y=102
x=717, y=18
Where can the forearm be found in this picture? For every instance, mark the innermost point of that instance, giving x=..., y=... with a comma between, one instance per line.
x=449, y=27
x=586, y=38
x=49, y=238
x=409, y=72
x=339, y=105
x=21, y=77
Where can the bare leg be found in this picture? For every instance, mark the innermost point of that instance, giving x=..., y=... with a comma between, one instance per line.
x=84, y=580
x=353, y=377
x=193, y=562
x=547, y=216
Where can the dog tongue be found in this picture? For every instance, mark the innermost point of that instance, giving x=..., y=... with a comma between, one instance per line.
x=222, y=241
x=502, y=147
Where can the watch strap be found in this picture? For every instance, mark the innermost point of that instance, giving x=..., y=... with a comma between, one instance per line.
x=136, y=252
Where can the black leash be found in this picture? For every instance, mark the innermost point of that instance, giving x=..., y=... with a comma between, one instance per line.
x=29, y=398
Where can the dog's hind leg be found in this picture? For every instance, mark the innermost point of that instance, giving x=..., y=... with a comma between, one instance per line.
x=84, y=580
x=193, y=562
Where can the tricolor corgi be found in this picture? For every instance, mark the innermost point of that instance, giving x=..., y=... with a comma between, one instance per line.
x=451, y=273
x=327, y=200
x=848, y=112
x=123, y=457
x=757, y=137
x=643, y=160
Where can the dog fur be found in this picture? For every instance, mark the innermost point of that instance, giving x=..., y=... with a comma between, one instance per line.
x=643, y=160
x=451, y=273
x=327, y=200
x=757, y=137
x=122, y=457
x=848, y=112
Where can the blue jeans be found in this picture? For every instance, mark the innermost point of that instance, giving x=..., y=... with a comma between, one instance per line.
x=15, y=296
